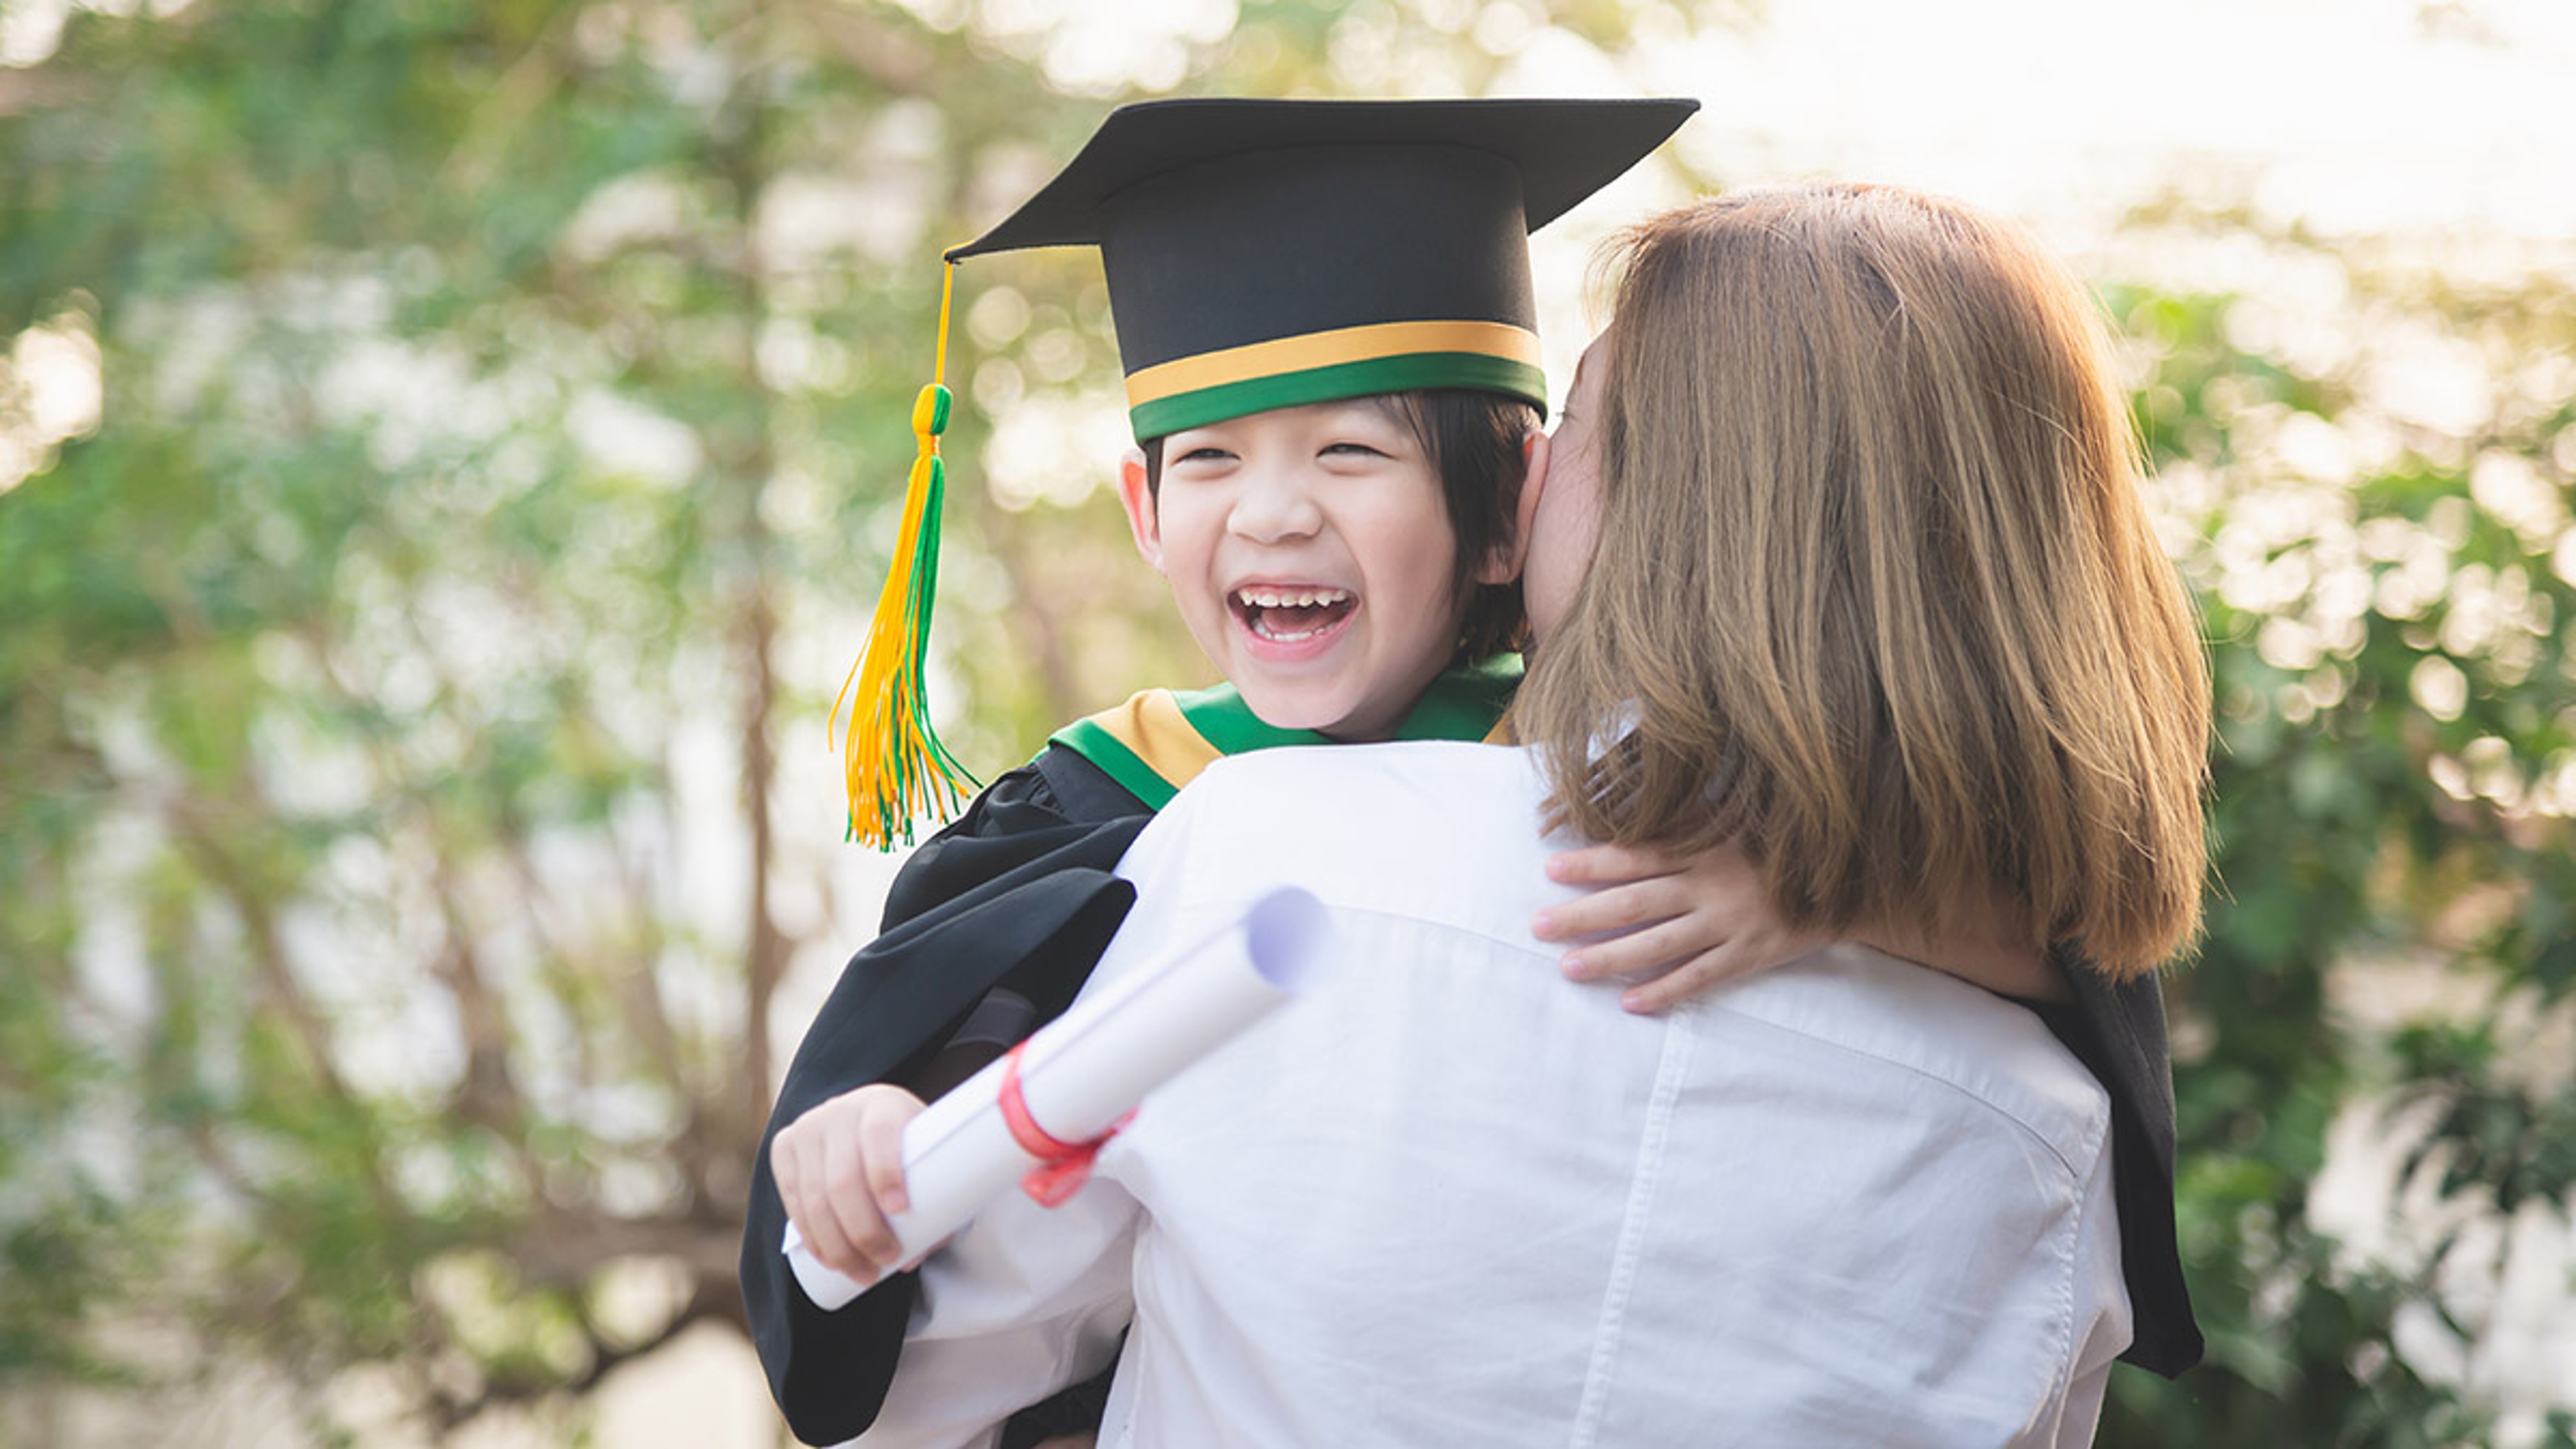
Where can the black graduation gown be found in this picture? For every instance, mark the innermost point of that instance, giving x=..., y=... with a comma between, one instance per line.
x=2118, y=1032
x=1021, y=894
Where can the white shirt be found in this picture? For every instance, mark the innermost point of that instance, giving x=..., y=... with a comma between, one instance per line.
x=1452, y=1198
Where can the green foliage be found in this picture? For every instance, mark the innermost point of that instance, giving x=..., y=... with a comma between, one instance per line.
x=2510, y=1141
x=2391, y=654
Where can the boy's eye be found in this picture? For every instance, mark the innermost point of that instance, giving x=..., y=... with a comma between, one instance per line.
x=1354, y=450
x=1204, y=455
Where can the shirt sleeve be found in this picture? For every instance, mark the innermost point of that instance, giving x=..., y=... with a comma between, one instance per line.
x=1024, y=1302
x=2104, y=1318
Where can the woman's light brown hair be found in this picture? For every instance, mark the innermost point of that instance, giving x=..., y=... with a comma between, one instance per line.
x=1875, y=585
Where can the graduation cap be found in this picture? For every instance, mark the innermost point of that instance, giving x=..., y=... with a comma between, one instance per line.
x=1262, y=254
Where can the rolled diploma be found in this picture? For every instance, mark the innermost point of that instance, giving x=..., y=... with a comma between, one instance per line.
x=1087, y=1069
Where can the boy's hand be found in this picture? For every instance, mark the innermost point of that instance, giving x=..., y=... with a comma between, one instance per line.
x=839, y=1170
x=1693, y=921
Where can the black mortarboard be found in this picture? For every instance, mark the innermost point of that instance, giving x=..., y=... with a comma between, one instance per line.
x=1267, y=253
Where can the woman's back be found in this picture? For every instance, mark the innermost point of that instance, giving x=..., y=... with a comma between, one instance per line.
x=1449, y=1198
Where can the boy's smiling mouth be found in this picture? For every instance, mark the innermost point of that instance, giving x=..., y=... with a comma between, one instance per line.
x=1290, y=613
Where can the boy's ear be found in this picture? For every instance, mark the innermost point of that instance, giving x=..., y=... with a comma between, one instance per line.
x=1143, y=520
x=1504, y=564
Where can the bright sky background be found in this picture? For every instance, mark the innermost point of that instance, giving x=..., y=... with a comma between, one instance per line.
x=2355, y=115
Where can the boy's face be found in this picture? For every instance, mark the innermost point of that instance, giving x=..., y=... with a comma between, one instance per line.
x=1311, y=557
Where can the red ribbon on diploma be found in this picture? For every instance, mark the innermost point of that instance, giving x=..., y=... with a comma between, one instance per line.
x=1063, y=1167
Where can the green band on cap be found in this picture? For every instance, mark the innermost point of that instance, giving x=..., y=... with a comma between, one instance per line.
x=1410, y=373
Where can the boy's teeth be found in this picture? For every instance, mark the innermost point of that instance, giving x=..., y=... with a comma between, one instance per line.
x=1290, y=598
x=1288, y=613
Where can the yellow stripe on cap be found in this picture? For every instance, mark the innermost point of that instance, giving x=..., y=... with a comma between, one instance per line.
x=1329, y=349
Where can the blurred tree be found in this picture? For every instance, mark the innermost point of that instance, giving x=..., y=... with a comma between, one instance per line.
x=2372, y=487
x=498, y=423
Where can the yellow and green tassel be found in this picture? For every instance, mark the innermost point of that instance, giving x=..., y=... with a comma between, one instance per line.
x=896, y=769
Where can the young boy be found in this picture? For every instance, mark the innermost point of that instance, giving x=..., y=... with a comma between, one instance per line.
x=1324, y=313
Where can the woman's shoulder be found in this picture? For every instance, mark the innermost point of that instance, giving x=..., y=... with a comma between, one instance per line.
x=1367, y=816
x=1408, y=788
x=1933, y=1027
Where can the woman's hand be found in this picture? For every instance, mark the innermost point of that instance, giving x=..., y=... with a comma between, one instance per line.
x=1691, y=922
x=839, y=1170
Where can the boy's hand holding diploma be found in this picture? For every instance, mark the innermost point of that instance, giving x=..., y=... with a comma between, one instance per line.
x=874, y=1178
x=840, y=1174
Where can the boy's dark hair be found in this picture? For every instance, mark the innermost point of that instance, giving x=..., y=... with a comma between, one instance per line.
x=1473, y=441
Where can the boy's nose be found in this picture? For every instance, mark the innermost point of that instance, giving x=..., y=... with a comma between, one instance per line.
x=1275, y=505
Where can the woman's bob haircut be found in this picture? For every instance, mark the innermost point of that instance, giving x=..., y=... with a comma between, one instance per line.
x=1875, y=595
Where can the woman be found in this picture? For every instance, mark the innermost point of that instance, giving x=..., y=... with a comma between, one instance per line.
x=1873, y=599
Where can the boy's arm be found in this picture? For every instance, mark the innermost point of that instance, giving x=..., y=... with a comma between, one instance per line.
x=1687, y=923
x=1692, y=922
x=1020, y=891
